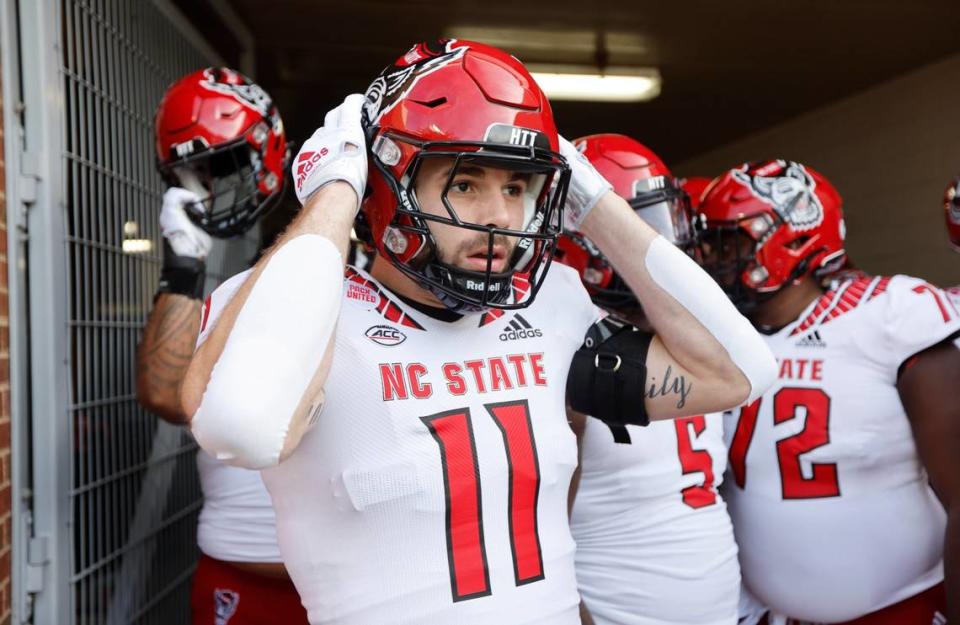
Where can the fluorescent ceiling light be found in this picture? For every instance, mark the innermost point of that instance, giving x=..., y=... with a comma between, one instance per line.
x=588, y=85
x=137, y=246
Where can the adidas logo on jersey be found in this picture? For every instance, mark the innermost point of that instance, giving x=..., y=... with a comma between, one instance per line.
x=519, y=328
x=812, y=340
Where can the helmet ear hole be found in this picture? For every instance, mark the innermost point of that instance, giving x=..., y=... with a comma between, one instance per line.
x=798, y=243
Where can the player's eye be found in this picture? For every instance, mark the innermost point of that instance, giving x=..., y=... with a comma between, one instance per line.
x=515, y=189
x=461, y=186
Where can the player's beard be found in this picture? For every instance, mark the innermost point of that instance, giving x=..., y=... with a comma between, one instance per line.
x=457, y=258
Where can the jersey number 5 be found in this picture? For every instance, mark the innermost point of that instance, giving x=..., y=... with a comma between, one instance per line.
x=466, y=552
x=691, y=460
x=823, y=481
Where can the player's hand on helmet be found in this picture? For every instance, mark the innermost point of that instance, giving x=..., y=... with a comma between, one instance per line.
x=336, y=151
x=587, y=186
x=185, y=238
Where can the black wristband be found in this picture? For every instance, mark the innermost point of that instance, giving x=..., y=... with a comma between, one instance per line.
x=181, y=275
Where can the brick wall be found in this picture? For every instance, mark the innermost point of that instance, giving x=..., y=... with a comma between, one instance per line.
x=890, y=151
x=5, y=514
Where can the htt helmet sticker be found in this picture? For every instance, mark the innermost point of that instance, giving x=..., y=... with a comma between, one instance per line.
x=790, y=191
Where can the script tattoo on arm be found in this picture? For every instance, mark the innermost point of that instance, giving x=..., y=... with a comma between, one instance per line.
x=164, y=354
x=669, y=384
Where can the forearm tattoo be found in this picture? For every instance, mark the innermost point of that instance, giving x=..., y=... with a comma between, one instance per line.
x=669, y=384
x=165, y=352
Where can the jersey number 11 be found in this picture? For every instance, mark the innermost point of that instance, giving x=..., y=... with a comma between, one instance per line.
x=466, y=552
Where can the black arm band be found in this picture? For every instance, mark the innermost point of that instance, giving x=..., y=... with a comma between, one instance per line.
x=181, y=275
x=608, y=374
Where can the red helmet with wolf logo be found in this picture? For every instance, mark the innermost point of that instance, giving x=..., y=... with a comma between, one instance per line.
x=219, y=134
x=477, y=106
x=768, y=224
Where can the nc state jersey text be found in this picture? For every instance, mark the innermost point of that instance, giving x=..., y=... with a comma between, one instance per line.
x=499, y=373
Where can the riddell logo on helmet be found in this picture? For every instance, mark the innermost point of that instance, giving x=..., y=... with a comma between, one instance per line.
x=385, y=335
x=519, y=328
x=306, y=163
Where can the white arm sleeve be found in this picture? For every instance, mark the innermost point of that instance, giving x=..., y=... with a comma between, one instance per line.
x=274, y=350
x=677, y=274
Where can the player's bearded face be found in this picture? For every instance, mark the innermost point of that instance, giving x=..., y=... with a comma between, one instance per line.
x=486, y=196
x=726, y=254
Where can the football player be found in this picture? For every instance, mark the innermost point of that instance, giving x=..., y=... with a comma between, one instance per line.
x=654, y=540
x=411, y=422
x=831, y=469
x=222, y=151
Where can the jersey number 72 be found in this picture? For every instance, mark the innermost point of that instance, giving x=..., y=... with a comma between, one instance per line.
x=787, y=402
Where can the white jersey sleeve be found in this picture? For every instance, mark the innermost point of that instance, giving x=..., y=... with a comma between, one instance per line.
x=237, y=523
x=908, y=316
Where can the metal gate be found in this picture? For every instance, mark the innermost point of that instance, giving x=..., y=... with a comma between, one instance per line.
x=107, y=495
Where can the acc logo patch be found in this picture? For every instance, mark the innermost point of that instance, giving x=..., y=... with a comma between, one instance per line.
x=788, y=188
x=388, y=336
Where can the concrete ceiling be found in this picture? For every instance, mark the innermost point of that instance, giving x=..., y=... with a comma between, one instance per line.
x=728, y=68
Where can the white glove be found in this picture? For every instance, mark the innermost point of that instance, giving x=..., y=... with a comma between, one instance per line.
x=336, y=151
x=587, y=186
x=185, y=238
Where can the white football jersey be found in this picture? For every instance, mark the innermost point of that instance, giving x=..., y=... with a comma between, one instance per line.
x=831, y=507
x=654, y=540
x=236, y=522
x=433, y=487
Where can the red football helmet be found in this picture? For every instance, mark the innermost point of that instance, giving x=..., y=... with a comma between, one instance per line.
x=695, y=186
x=477, y=106
x=951, y=207
x=220, y=135
x=640, y=177
x=768, y=224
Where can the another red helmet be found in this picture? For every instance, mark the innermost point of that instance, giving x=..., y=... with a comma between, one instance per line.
x=220, y=135
x=695, y=186
x=640, y=177
x=768, y=224
x=951, y=207
x=478, y=106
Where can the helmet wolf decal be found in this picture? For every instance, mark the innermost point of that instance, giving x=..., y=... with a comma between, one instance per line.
x=788, y=188
x=390, y=87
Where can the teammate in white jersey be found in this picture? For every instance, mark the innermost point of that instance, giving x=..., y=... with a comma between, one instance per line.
x=222, y=151
x=830, y=470
x=413, y=439
x=654, y=540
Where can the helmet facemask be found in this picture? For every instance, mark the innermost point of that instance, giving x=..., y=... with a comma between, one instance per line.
x=729, y=254
x=227, y=179
x=524, y=254
x=732, y=253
